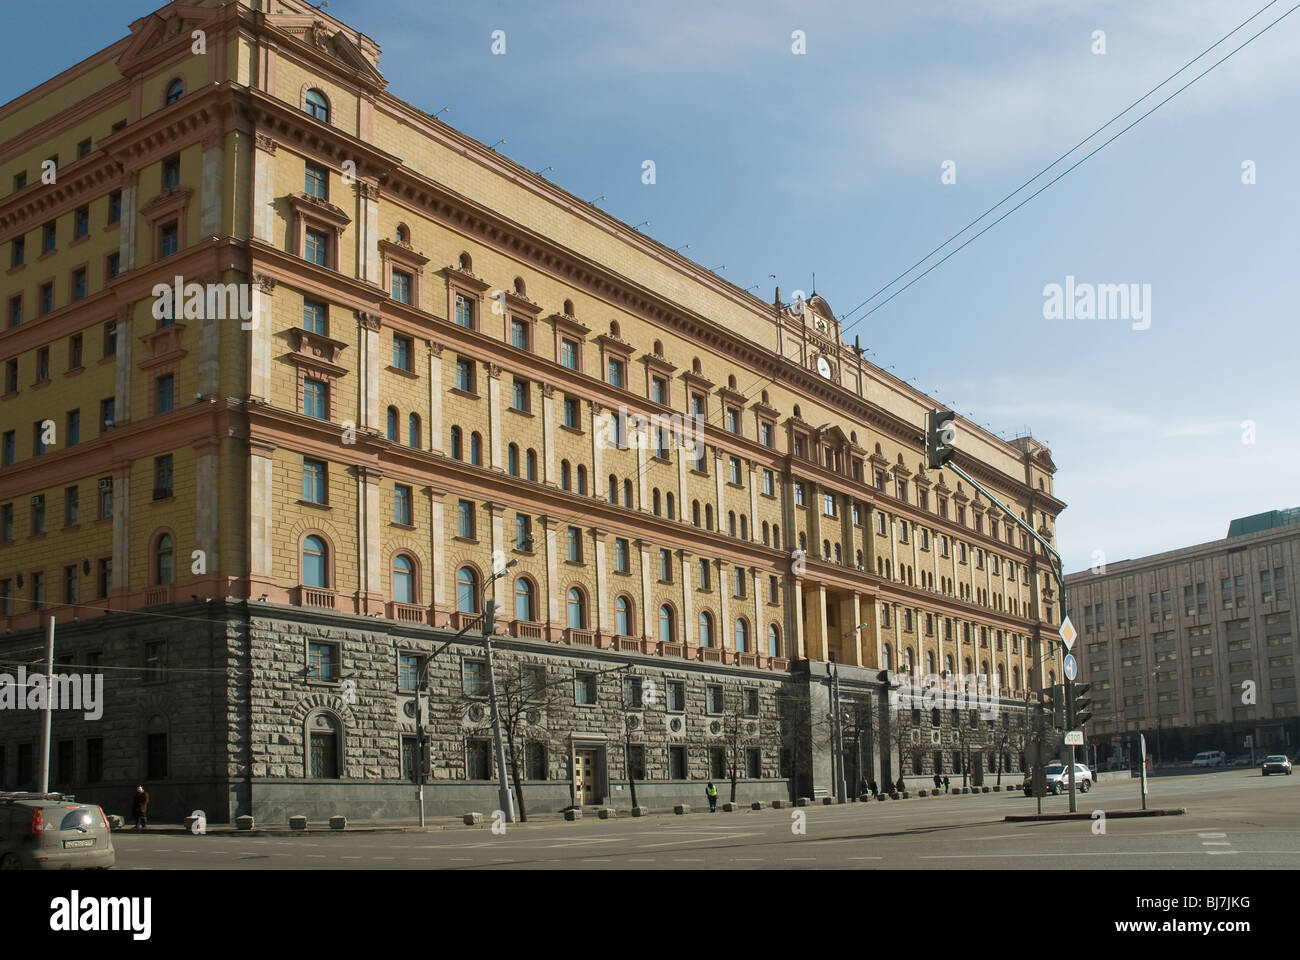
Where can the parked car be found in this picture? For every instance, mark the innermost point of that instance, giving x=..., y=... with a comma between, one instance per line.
x=1058, y=779
x=1210, y=758
x=52, y=831
x=1275, y=764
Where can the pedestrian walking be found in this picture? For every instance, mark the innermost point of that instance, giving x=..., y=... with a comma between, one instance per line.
x=865, y=788
x=945, y=784
x=871, y=785
x=140, y=809
x=712, y=793
x=898, y=787
x=938, y=781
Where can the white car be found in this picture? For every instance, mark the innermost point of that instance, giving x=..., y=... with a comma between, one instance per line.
x=1058, y=779
x=1210, y=758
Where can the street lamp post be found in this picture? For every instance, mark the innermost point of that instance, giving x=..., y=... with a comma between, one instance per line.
x=489, y=624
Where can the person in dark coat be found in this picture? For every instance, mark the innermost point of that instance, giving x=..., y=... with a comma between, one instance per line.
x=871, y=785
x=864, y=788
x=898, y=787
x=945, y=784
x=140, y=809
x=938, y=781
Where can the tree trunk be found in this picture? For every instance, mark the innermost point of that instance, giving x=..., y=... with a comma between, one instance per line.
x=514, y=774
x=627, y=757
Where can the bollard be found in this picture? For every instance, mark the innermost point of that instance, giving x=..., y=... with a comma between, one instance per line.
x=757, y=805
x=338, y=823
x=244, y=823
x=298, y=823
x=682, y=808
x=606, y=813
x=473, y=818
x=640, y=811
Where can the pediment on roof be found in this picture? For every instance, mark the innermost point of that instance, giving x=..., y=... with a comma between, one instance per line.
x=158, y=32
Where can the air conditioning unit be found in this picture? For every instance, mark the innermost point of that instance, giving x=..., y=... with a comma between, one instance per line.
x=676, y=726
x=476, y=713
x=715, y=728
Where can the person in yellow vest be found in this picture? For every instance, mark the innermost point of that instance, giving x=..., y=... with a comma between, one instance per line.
x=712, y=793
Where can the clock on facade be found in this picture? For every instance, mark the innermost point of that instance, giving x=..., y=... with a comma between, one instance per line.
x=824, y=367
x=821, y=324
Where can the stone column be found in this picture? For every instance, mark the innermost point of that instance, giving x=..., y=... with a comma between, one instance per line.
x=647, y=615
x=259, y=339
x=122, y=364
x=263, y=188
x=121, y=527
x=600, y=435
x=261, y=498
x=856, y=649
x=602, y=618
x=641, y=478
x=724, y=604
x=126, y=230
x=760, y=625
x=368, y=371
x=494, y=414
x=214, y=156
x=437, y=551
x=549, y=525
x=753, y=503
x=368, y=233
x=207, y=506
x=370, y=585
x=794, y=588
x=548, y=433
x=688, y=605
x=893, y=546
x=435, y=396
x=719, y=482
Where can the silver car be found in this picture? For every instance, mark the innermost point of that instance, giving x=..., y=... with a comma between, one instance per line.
x=52, y=831
x=1276, y=764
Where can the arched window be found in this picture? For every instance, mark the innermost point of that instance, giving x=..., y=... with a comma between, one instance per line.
x=929, y=661
x=568, y=308
x=776, y=536
x=314, y=563
x=1015, y=677
x=731, y=523
x=403, y=233
x=884, y=657
x=403, y=579
x=530, y=465
x=523, y=599
x=413, y=431
x=839, y=554
x=466, y=263
x=706, y=629
x=666, y=630
x=623, y=617
x=907, y=659
x=164, y=569
x=627, y=494
x=323, y=747
x=744, y=527
x=695, y=512
x=512, y=460
x=476, y=449
x=1002, y=677
x=966, y=666
x=519, y=287
x=742, y=635
x=582, y=480
x=1051, y=678
x=613, y=490
x=315, y=104
x=803, y=541
x=577, y=609
x=565, y=475
x=767, y=534
x=947, y=663
x=671, y=505
x=984, y=668
x=654, y=501
x=175, y=90
x=466, y=590
x=392, y=425
x=773, y=640
x=456, y=451
x=708, y=516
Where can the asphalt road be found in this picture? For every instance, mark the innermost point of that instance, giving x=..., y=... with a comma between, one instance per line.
x=1235, y=820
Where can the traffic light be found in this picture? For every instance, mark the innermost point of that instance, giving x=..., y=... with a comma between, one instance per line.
x=1082, y=706
x=1056, y=699
x=940, y=435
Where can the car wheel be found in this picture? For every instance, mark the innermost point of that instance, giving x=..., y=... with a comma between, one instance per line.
x=1085, y=786
x=10, y=861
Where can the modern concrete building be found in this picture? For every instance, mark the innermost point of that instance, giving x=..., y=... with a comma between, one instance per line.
x=1195, y=647
x=292, y=369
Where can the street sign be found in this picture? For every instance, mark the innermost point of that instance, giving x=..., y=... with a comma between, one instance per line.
x=1071, y=667
x=1074, y=738
x=1068, y=633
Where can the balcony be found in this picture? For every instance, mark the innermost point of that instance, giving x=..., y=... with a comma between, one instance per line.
x=526, y=630
x=579, y=638
x=747, y=659
x=315, y=597
x=710, y=655
x=406, y=612
x=627, y=644
x=466, y=621
x=156, y=596
x=670, y=649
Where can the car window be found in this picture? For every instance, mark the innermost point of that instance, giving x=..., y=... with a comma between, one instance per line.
x=77, y=818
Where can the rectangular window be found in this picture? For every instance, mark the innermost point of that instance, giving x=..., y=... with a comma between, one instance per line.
x=316, y=248
x=574, y=539
x=317, y=182
x=520, y=396
x=733, y=473
x=828, y=506
x=171, y=172
x=95, y=760
x=104, y=578
x=464, y=312
x=615, y=373
x=465, y=520
x=42, y=364
x=45, y=298
x=713, y=699
x=665, y=566
x=7, y=449
x=519, y=334
x=584, y=688
x=38, y=591
x=478, y=760
x=107, y=413
x=162, y=477
x=733, y=420
x=79, y=284
x=105, y=499
x=765, y=434
x=314, y=317
x=315, y=399
x=110, y=338
x=401, y=286
x=49, y=237
x=621, y=556
x=314, y=484
x=705, y=577
x=632, y=698
x=74, y=352
x=20, y=180
x=571, y=413
x=659, y=390
x=11, y=376
x=38, y=438
x=115, y=206
x=676, y=696
x=798, y=494
x=465, y=375
x=769, y=483
x=523, y=532
x=81, y=222
x=322, y=661
x=402, y=353
x=70, y=584
x=155, y=652
x=15, y=310
x=677, y=763
x=569, y=354
x=6, y=523
x=71, y=506
x=402, y=505
x=18, y=252
x=474, y=679
x=166, y=393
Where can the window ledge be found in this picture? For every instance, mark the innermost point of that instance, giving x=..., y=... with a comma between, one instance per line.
x=465, y=540
x=111, y=358
x=73, y=371
x=402, y=526
x=464, y=393
x=171, y=499
x=314, y=504
x=574, y=430
x=522, y=413
x=408, y=374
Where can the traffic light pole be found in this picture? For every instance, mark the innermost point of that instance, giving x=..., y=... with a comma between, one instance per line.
x=939, y=453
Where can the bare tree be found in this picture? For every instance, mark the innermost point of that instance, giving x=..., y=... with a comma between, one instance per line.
x=526, y=692
x=801, y=732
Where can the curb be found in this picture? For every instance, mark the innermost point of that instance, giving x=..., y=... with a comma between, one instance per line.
x=1116, y=815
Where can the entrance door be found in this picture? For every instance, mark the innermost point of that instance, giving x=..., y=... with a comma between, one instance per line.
x=584, y=777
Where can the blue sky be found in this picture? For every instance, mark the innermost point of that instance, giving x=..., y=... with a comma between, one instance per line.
x=771, y=162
